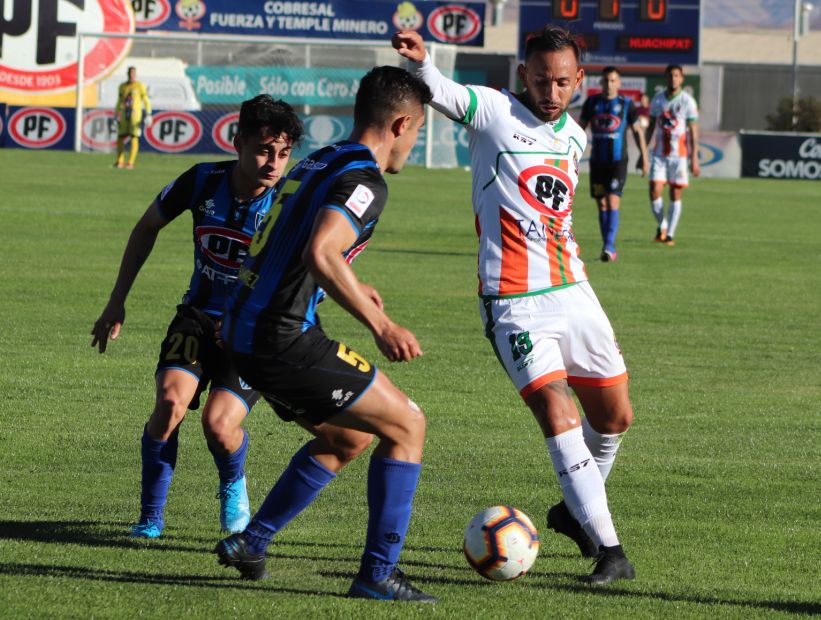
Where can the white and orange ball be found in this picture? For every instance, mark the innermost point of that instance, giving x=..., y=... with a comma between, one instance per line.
x=501, y=543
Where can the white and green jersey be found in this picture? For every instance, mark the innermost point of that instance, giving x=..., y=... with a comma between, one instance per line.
x=525, y=173
x=672, y=116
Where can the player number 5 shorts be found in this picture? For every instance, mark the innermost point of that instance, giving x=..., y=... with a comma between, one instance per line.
x=563, y=334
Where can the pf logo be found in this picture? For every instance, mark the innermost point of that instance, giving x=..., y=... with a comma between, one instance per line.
x=454, y=24
x=224, y=246
x=606, y=123
x=668, y=121
x=224, y=131
x=548, y=189
x=99, y=130
x=38, y=42
x=150, y=13
x=37, y=128
x=174, y=132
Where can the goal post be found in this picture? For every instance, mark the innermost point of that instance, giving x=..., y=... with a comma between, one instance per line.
x=197, y=82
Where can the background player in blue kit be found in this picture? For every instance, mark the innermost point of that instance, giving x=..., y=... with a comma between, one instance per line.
x=227, y=201
x=323, y=217
x=609, y=115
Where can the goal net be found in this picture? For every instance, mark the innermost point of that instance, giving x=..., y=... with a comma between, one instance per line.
x=197, y=83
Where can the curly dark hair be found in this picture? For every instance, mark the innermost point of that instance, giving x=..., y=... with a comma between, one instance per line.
x=263, y=111
x=385, y=91
x=552, y=39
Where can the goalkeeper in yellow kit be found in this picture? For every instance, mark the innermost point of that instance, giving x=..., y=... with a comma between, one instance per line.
x=132, y=103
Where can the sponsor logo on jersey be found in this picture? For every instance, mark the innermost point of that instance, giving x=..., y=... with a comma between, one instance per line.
x=99, y=130
x=547, y=189
x=209, y=207
x=341, y=397
x=37, y=128
x=39, y=53
x=173, y=132
x=523, y=138
x=224, y=246
x=454, y=24
x=668, y=121
x=150, y=13
x=360, y=200
x=310, y=164
x=606, y=123
x=224, y=131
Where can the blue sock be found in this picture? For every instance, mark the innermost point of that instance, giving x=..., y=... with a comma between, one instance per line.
x=159, y=460
x=612, y=229
x=391, y=485
x=231, y=466
x=604, y=217
x=296, y=488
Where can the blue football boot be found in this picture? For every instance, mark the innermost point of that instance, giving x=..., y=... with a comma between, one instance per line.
x=235, y=510
x=146, y=528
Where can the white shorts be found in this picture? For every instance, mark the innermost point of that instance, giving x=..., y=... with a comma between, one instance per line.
x=564, y=334
x=672, y=170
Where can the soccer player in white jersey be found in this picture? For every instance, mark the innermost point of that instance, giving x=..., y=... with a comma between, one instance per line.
x=674, y=120
x=541, y=316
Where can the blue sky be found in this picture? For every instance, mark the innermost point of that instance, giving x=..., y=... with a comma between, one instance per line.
x=754, y=13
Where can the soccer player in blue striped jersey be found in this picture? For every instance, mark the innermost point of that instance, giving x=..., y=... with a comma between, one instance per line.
x=226, y=200
x=323, y=217
x=609, y=116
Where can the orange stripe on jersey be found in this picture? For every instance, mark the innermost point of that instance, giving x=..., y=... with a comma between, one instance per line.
x=682, y=144
x=513, y=278
x=542, y=381
x=561, y=164
x=598, y=381
x=552, y=249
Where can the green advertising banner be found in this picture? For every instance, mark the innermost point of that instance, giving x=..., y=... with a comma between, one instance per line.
x=297, y=85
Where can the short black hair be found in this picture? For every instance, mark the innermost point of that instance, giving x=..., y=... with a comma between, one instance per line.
x=670, y=68
x=610, y=69
x=263, y=111
x=386, y=91
x=552, y=38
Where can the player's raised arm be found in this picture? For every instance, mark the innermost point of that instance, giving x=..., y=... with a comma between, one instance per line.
x=323, y=256
x=450, y=98
x=137, y=250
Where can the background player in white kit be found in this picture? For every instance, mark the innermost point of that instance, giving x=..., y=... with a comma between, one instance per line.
x=542, y=318
x=674, y=119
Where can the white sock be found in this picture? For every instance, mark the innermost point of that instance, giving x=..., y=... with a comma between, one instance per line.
x=582, y=485
x=602, y=447
x=657, y=204
x=675, y=213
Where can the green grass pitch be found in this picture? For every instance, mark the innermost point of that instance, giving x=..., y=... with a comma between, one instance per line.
x=716, y=493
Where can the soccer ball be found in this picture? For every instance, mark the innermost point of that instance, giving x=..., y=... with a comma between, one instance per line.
x=501, y=543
